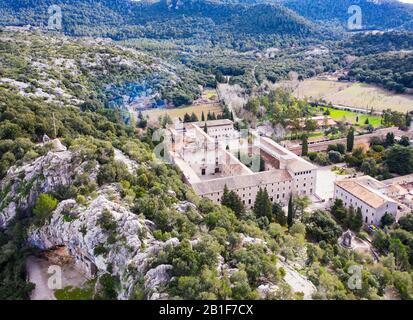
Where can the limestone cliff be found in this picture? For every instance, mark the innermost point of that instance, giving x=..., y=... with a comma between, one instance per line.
x=127, y=252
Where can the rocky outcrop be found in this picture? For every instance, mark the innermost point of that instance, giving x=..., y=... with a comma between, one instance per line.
x=22, y=185
x=127, y=252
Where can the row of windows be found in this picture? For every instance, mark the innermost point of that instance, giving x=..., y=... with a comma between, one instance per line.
x=301, y=173
x=220, y=129
x=283, y=196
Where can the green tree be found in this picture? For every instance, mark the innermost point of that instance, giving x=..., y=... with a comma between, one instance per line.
x=357, y=222
x=262, y=205
x=338, y=211
x=404, y=141
x=304, y=149
x=231, y=200
x=44, y=206
x=389, y=139
x=387, y=220
x=406, y=222
x=399, y=160
x=350, y=140
x=290, y=215
x=279, y=214
x=369, y=166
x=400, y=253
x=194, y=117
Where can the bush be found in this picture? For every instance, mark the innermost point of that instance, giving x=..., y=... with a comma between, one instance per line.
x=312, y=155
x=44, y=206
x=406, y=222
x=320, y=226
x=377, y=148
x=334, y=156
x=322, y=159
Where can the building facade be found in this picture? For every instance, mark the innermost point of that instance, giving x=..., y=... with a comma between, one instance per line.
x=363, y=193
x=219, y=158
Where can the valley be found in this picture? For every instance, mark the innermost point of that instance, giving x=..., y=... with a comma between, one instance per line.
x=206, y=150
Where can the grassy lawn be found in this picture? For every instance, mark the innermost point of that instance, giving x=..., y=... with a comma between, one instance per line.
x=315, y=134
x=180, y=112
x=352, y=117
x=209, y=93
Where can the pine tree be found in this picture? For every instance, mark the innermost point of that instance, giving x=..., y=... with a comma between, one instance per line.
x=350, y=140
x=290, y=215
x=278, y=214
x=390, y=139
x=350, y=218
x=187, y=117
x=231, y=200
x=262, y=205
x=304, y=151
x=194, y=118
x=357, y=221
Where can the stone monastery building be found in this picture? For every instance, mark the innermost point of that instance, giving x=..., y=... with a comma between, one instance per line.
x=222, y=156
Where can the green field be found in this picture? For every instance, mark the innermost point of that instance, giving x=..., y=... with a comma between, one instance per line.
x=351, y=117
x=357, y=95
x=180, y=112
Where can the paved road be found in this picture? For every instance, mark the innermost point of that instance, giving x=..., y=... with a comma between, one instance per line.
x=297, y=282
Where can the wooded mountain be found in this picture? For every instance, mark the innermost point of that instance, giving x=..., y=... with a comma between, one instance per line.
x=379, y=14
x=120, y=19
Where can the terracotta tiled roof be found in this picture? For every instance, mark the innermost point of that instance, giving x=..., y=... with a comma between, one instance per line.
x=239, y=182
x=366, y=194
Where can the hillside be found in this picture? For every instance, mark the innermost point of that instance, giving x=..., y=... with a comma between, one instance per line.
x=382, y=14
x=78, y=70
x=202, y=20
x=98, y=190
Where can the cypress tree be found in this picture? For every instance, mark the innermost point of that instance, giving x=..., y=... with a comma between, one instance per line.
x=278, y=214
x=357, y=221
x=304, y=151
x=350, y=140
x=187, y=117
x=206, y=128
x=290, y=216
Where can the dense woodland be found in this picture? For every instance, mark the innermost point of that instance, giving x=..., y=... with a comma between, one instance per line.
x=248, y=41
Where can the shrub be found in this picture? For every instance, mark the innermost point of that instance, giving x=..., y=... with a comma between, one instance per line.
x=44, y=206
x=334, y=156
x=312, y=155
